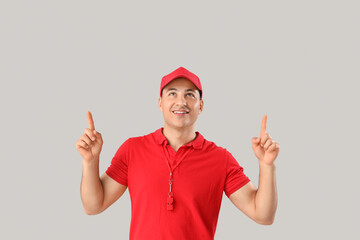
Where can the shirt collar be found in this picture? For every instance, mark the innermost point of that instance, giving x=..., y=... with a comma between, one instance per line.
x=197, y=143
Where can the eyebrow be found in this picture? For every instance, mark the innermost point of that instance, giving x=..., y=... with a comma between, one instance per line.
x=174, y=89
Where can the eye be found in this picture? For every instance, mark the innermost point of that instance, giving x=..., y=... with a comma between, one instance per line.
x=171, y=93
x=191, y=94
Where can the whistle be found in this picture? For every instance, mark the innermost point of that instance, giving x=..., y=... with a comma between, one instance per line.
x=170, y=202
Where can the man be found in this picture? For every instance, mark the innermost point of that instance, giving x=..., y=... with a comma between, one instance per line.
x=176, y=177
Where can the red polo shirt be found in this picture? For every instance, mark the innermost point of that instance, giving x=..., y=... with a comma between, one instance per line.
x=201, y=172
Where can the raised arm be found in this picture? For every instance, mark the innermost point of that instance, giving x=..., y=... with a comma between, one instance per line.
x=97, y=193
x=260, y=204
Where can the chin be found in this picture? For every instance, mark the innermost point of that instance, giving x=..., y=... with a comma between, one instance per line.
x=180, y=126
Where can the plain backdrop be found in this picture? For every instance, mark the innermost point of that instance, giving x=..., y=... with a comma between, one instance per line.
x=296, y=61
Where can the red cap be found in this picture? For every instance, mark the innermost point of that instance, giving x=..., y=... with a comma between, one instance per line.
x=181, y=72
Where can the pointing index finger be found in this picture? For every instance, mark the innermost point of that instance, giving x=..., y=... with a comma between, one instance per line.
x=263, y=126
x=90, y=121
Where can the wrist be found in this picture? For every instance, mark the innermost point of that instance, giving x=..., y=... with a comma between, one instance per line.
x=91, y=163
x=262, y=164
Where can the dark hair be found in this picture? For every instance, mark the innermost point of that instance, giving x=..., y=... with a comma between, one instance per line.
x=200, y=92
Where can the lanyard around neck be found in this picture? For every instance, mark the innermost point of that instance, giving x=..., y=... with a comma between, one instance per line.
x=170, y=200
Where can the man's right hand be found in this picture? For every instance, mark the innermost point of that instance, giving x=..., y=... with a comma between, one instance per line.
x=90, y=143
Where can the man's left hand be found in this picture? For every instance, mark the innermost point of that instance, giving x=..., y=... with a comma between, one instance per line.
x=265, y=148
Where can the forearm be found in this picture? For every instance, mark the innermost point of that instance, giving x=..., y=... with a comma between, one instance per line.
x=266, y=195
x=91, y=189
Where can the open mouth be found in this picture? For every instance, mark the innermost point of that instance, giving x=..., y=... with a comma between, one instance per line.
x=180, y=113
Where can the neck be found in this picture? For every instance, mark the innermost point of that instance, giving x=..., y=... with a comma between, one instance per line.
x=179, y=137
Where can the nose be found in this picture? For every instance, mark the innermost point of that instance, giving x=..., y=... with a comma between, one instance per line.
x=181, y=100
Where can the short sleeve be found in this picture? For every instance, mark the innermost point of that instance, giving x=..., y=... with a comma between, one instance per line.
x=235, y=177
x=118, y=169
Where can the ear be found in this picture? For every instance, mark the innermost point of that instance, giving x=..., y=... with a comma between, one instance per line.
x=201, y=105
x=160, y=104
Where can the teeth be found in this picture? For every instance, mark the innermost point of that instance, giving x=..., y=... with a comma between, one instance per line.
x=178, y=112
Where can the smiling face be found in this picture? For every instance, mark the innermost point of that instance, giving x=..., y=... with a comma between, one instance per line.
x=180, y=103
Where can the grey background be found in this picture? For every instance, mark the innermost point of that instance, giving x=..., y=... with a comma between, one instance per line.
x=297, y=61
